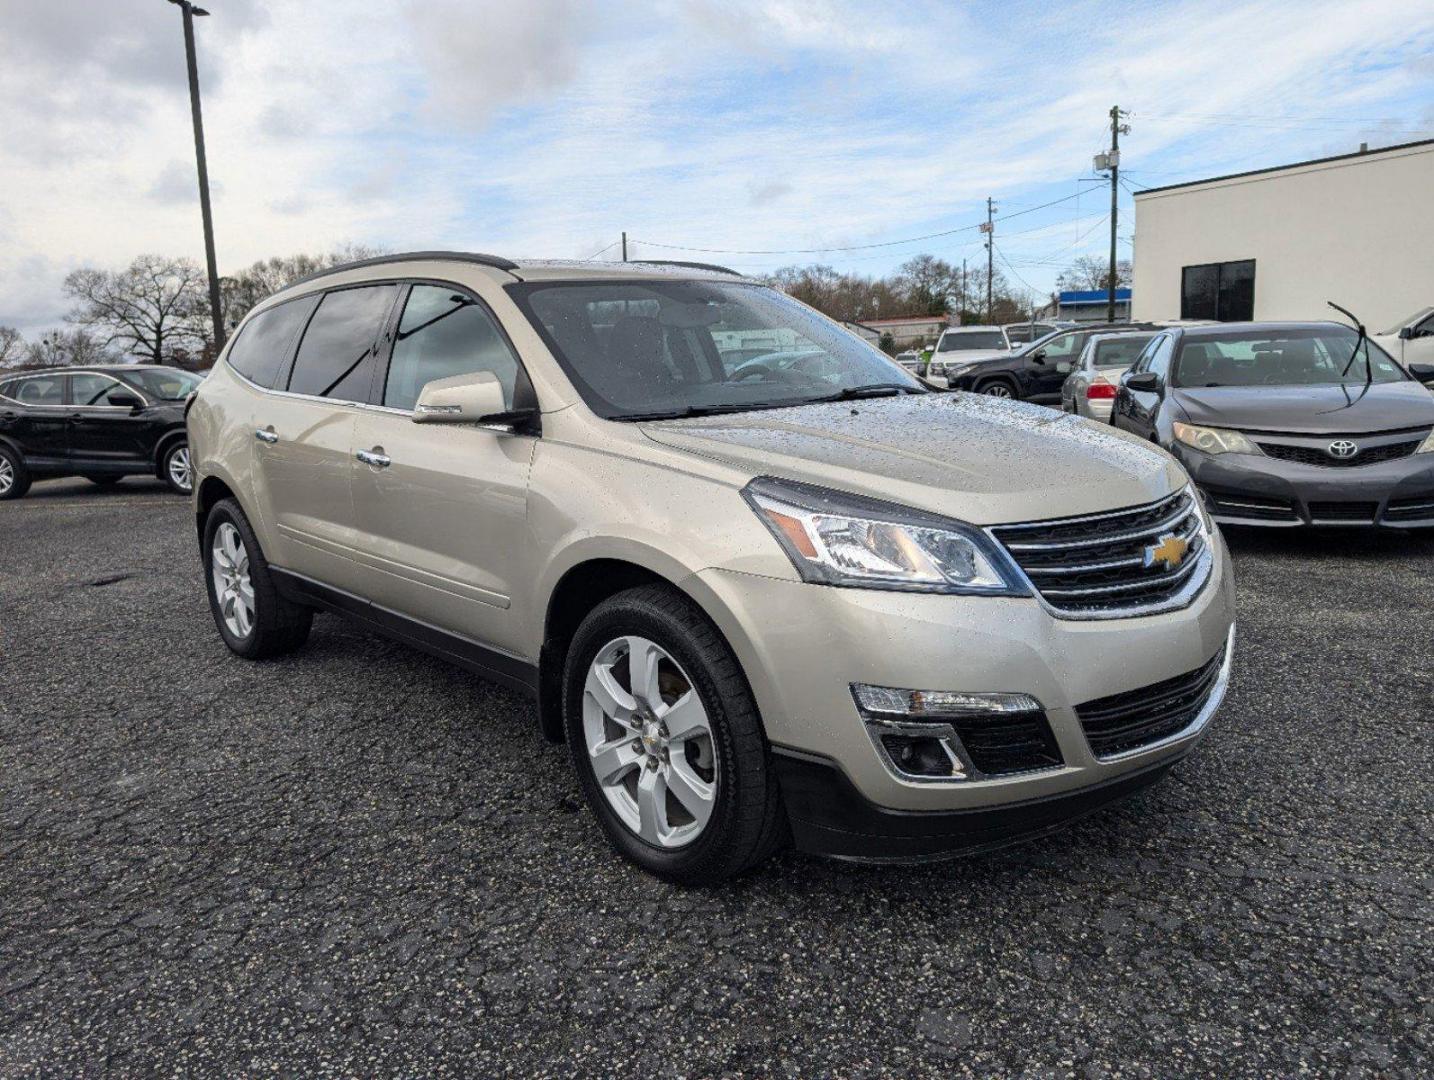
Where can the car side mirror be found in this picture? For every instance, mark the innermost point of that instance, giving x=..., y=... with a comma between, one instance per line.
x=123, y=399
x=1144, y=381
x=1423, y=372
x=1406, y=333
x=1039, y=356
x=464, y=399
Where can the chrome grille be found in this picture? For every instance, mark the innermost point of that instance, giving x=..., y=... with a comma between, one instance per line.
x=1097, y=566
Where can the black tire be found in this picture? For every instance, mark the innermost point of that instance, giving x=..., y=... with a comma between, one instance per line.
x=14, y=477
x=166, y=473
x=104, y=481
x=748, y=823
x=279, y=626
x=1000, y=388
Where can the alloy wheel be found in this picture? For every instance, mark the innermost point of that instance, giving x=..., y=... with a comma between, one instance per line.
x=7, y=476
x=179, y=469
x=233, y=588
x=1000, y=390
x=650, y=742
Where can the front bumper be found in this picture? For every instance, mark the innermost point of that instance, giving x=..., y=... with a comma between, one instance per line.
x=802, y=646
x=1255, y=489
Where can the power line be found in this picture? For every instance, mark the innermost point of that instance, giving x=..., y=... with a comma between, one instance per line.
x=850, y=247
x=614, y=244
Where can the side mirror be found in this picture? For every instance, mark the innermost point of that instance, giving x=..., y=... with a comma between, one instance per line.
x=124, y=399
x=1423, y=372
x=1406, y=333
x=464, y=399
x=1145, y=381
x=1039, y=356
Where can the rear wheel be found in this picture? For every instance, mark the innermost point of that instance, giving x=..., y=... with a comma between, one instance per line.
x=175, y=468
x=667, y=742
x=14, y=477
x=253, y=619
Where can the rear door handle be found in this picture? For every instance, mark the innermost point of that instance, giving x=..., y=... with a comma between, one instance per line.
x=266, y=436
x=373, y=457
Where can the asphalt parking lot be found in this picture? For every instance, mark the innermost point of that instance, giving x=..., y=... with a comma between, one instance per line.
x=359, y=861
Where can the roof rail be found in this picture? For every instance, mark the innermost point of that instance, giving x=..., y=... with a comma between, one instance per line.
x=495, y=261
x=689, y=265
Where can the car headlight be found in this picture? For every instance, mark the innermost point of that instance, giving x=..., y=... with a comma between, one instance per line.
x=957, y=370
x=1214, y=440
x=1427, y=446
x=835, y=538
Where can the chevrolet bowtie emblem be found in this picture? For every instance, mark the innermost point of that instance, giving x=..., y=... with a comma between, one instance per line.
x=1170, y=551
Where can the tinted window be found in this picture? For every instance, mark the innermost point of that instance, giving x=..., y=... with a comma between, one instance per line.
x=263, y=344
x=88, y=388
x=1222, y=291
x=168, y=384
x=1119, y=352
x=444, y=333
x=971, y=342
x=1063, y=347
x=43, y=390
x=336, y=355
x=1159, y=359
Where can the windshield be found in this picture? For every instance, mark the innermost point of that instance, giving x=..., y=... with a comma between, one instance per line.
x=1314, y=357
x=1120, y=352
x=167, y=384
x=1418, y=317
x=970, y=341
x=648, y=349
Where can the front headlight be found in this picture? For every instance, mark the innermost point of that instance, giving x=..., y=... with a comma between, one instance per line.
x=1214, y=440
x=1427, y=446
x=834, y=538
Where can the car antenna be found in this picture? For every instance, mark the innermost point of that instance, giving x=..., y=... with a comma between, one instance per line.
x=1361, y=340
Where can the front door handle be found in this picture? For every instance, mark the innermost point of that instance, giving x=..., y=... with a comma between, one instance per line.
x=375, y=458
x=266, y=436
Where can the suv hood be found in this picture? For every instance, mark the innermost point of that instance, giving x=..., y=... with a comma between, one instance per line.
x=967, y=456
x=1310, y=410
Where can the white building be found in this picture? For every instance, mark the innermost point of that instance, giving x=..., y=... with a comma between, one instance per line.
x=1277, y=243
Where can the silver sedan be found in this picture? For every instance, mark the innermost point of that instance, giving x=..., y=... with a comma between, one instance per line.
x=1090, y=388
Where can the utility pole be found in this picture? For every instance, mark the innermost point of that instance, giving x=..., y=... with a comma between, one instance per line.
x=624, y=245
x=189, y=12
x=963, y=293
x=989, y=228
x=1111, y=160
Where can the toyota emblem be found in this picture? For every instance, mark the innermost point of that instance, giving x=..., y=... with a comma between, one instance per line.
x=1343, y=448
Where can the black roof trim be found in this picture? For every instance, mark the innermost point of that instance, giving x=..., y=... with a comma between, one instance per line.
x=1292, y=165
x=688, y=265
x=495, y=261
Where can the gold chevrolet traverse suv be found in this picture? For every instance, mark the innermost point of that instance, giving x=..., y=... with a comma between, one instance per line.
x=771, y=588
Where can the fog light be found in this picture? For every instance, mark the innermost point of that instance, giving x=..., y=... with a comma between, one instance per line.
x=922, y=755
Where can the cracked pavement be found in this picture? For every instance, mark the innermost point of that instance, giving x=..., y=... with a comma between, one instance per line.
x=359, y=861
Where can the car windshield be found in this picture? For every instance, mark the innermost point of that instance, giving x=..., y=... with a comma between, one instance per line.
x=1418, y=317
x=1293, y=357
x=1121, y=351
x=969, y=341
x=167, y=384
x=655, y=349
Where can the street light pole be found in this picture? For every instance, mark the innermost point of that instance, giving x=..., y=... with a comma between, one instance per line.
x=189, y=12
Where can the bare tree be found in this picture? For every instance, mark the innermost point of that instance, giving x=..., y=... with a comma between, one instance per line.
x=249, y=286
x=154, y=309
x=1093, y=272
x=928, y=283
x=12, y=347
x=66, y=348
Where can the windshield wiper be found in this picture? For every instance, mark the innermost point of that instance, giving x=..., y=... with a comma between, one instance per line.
x=705, y=410
x=1368, y=360
x=851, y=393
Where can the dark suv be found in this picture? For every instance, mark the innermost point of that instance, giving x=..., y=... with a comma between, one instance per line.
x=102, y=423
x=1035, y=372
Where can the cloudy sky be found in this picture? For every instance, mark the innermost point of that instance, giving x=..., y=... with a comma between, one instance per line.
x=770, y=131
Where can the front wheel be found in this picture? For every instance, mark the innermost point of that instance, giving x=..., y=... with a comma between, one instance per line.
x=998, y=390
x=667, y=742
x=14, y=477
x=254, y=620
x=176, y=469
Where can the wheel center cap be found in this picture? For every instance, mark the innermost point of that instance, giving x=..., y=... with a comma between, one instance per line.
x=651, y=735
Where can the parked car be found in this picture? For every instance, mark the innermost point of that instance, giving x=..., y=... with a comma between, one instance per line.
x=1035, y=372
x=737, y=601
x=1090, y=389
x=960, y=345
x=1288, y=423
x=102, y=423
x=910, y=360
x=1412, y=340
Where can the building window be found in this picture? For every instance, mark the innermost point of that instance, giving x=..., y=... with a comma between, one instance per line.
x=1222, y=291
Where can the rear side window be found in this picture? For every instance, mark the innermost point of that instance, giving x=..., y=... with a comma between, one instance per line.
x=41, y=390
x=444, y=333
x=336, y=355
x=263, y=344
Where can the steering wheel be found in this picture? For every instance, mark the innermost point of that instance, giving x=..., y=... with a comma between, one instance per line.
x=749, y=371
